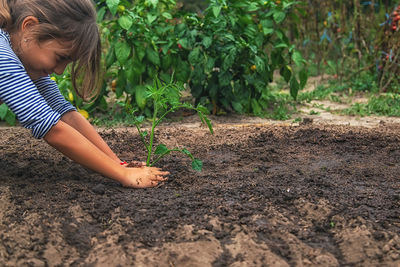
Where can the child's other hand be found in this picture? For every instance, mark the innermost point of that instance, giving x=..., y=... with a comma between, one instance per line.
x=144, y=176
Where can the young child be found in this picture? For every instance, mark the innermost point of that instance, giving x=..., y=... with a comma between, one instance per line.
x=41, y=37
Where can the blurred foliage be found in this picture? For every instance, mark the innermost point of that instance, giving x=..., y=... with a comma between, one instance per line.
x=226, y=53
x=229, y=53
x=346, y=38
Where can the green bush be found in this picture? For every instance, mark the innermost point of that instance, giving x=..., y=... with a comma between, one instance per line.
x=227, y=55
x=234, y=49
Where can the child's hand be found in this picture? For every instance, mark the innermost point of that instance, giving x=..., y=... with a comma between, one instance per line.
x=143, y=177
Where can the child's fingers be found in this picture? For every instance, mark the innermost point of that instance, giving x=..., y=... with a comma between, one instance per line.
x=158, y=178
x=163, y=173
x=161, y=178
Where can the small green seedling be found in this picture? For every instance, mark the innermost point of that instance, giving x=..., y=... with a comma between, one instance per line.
x=166, y=99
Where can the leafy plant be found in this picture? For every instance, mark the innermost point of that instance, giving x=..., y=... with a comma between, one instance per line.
x=227, y=54
x=166, y=99
x=383, y=105
x=234, y=48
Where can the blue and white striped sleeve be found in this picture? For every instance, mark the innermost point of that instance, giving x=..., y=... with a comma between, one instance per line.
x=50, y=92
x=21, y=95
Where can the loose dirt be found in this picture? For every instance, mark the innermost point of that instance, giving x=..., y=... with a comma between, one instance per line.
x=270, y=194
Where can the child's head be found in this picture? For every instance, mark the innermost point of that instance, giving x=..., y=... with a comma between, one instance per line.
x=67, y=21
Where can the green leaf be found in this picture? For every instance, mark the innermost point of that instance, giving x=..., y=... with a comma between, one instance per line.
x=121, y=83
x=251, y=7
x=139, y=119
x=110, y=57
x=10, y=118
x=267, y=23
x=237, y=106
x=297, y=58
x=140, y=51
x=294, y=87
x=202, y=109
x=154, y=3
x=303, y=75
x=281, y=45
x=209, y=65
x=138, y=67
x=166, y=15
x=197, y=165
x=113, y=6
x=216, y=10
x=166, y=62
x=256, y=108
x=125, y=22
x=161, y=149
x=100, y=15
x=3, y=111
x=259, y=62
x=153, y=56
x=279, y=34
x=207, y=41
x=279, y=16
x=194, y=56
x=229, y=59
x=286, y=73
x=224, y=78
x=122, y=52
x=184, y=43
x=182, y=71
x=151, y=18
x=141, y=96
x=250, y=31
x=130, y=73
x=268, y=31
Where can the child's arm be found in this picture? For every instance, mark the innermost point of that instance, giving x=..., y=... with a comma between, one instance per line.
x=74, y=145
x=79, y=123
x=49, y=90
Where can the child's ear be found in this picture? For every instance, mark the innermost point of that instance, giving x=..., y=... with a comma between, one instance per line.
x=29, y=22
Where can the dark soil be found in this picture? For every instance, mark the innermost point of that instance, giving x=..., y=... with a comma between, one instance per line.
x=267, y=196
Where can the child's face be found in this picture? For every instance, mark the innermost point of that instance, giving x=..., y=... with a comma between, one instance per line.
x=42, y=59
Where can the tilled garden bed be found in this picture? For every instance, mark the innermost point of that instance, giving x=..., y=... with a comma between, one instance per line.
x=268, y=195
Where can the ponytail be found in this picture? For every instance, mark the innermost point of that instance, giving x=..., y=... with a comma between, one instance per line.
x=5, y=16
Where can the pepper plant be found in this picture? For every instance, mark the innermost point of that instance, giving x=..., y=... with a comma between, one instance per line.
x=234, y=49
x=227, y=54
x=165, y=98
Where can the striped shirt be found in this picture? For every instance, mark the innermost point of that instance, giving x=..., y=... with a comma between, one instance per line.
x=38, y=105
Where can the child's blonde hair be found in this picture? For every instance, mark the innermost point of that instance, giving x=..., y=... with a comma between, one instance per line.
x=66, y=20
